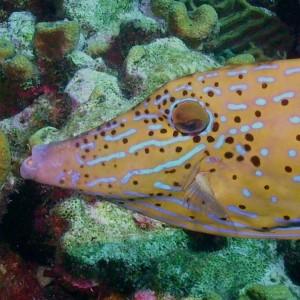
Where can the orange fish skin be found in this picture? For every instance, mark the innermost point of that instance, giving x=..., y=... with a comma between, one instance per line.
x=248, y=154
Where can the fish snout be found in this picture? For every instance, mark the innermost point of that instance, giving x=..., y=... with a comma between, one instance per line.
x=31, y=165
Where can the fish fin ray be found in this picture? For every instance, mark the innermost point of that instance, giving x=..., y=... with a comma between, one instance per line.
x=199, y=193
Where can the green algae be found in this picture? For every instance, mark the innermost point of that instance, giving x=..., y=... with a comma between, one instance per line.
x=7, y=49
x=272, y=292
x=19, y=68
x=5, y=158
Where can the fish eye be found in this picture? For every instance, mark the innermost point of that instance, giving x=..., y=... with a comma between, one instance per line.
x=190, y=117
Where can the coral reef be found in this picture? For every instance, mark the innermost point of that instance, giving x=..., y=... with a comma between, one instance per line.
x=197, y=29
x=148, y=67
x=291, y=254
x=18, y=278
x=53, y=40
x=242, y=24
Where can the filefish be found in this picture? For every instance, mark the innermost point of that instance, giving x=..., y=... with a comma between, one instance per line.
x=215, y=152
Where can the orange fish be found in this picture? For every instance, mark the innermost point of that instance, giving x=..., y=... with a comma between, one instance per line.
x=216, y=152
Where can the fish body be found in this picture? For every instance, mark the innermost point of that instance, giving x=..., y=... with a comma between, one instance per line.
x=238, y=175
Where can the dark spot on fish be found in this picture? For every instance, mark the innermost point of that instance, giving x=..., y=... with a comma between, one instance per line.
x=257, y=113
x=148, y=99
x=228, y=155
x=147, y=150
x=77, y=145
x=184, y=93
x=103, y=164
x=284, y=102
x=157, y=204
x=216, y=115
x=153, y=120
x=239, y=92
x=241, y=76
x=125, y=141
x=160, y=118
x=159, y=194
x=187, y=166
x=298, y=137
x=95, y=136
x=166, y=91
x=85, y=141
x=210, y=139
x=137, y=113
x=178, y=149
x=146, y=111
x=110, y=186
x=105, y=146
x=175, y=133
x=255, y=161
x=196, y=139
x=165, y=102
x=176, y=183
x=172, y=99
x=229, y=140
x=150, y=133
x=212, y=170
x=266, y=187
x=237, y=119
x=210, y=93
x=215, y=127
x=162, y=150
x=193, y=95
x=86, y=150
x=146, y=121
x=163, y=130
x=216, y=84
x=241, y=206
x=192, y=217
x=86, y=175
x=135, y=182
x=288, y=169
x=167, y=111
x=240, y=158
x=286, y=217
x=264, y=85
x=247, y=147
x=157, y=97
x=234, y=177
x=113, y=132
x=102, y=133
x=249, y=137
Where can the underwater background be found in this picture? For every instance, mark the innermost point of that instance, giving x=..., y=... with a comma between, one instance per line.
x=67, y=66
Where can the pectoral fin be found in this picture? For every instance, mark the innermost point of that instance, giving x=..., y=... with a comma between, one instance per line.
x=198, y=192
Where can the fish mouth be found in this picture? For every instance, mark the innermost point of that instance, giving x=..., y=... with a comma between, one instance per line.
x=31, y=165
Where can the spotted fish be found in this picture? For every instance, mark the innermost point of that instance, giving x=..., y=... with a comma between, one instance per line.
x=215, y=152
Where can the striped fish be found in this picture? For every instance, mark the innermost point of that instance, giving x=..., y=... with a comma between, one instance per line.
x=214, y=152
